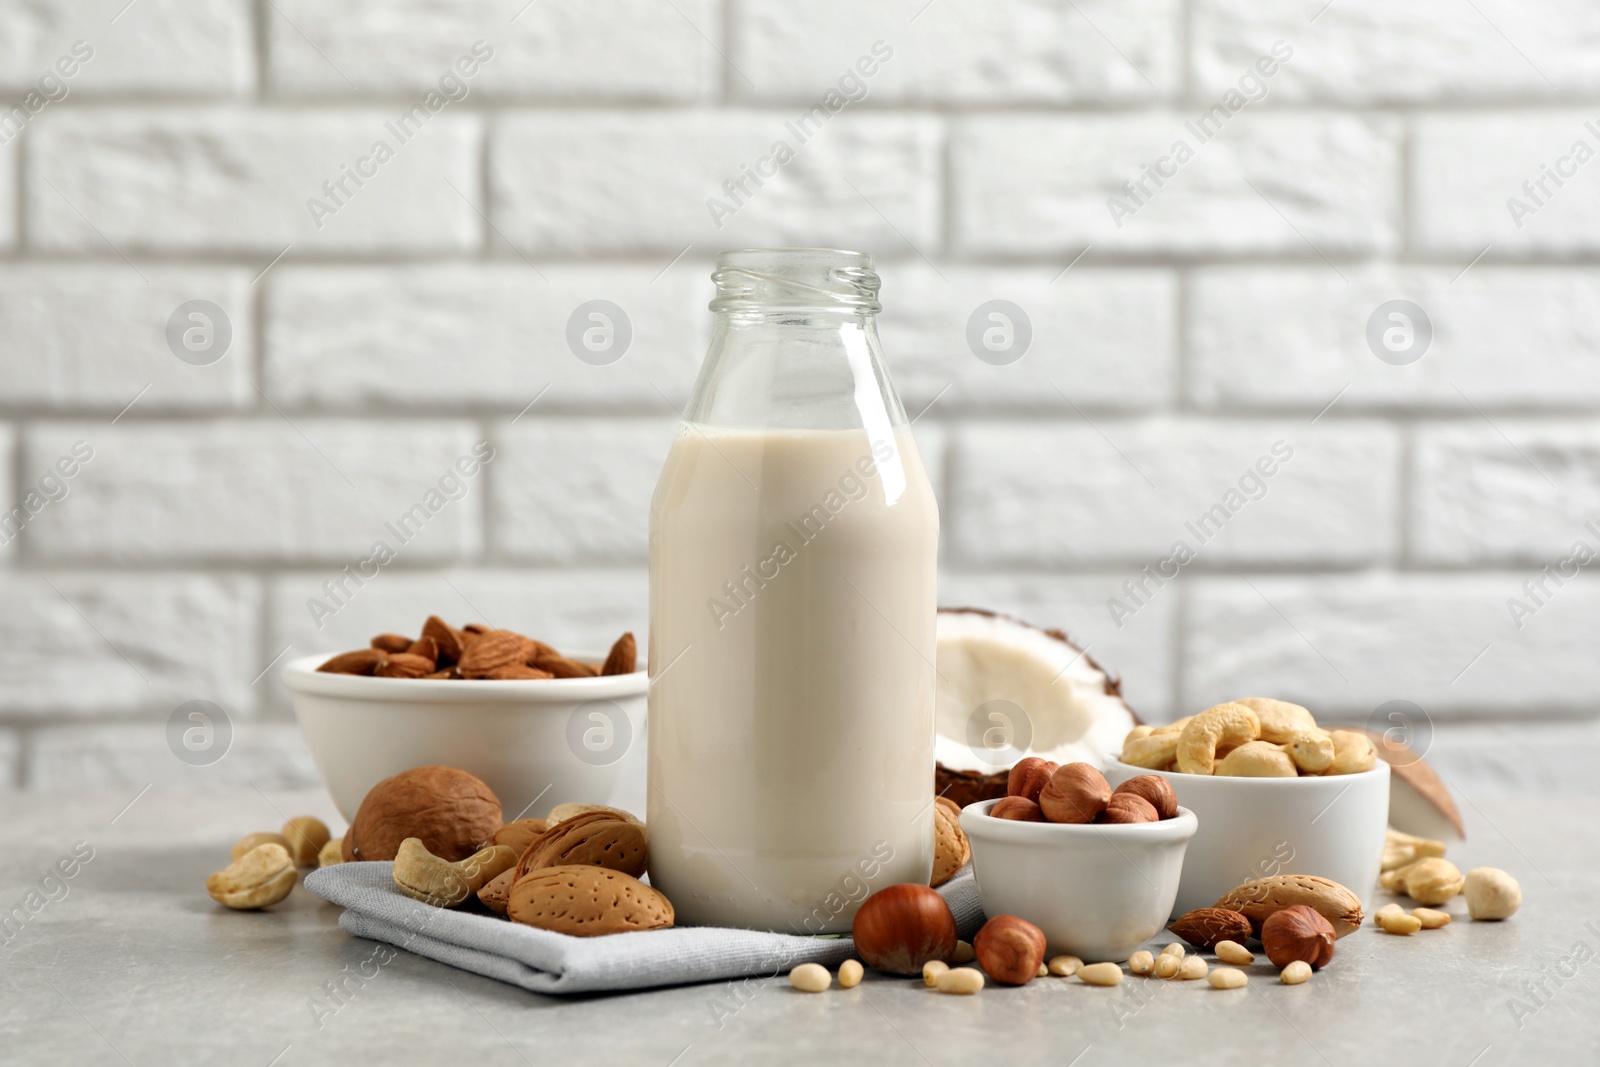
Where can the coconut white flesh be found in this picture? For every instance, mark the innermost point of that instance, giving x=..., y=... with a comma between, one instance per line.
x=1413, y=813
x=982, y=658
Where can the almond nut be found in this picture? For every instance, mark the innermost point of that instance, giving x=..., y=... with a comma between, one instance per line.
x=1260, y=897
x=1209, y=927
x=596, y=838
x=951, y=850
x=623, y=657
x=587, y=902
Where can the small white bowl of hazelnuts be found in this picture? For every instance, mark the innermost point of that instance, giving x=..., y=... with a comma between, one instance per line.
x=1095, y=868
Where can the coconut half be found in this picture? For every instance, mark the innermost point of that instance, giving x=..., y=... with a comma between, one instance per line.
x=1419, y=801
x=1006, y=690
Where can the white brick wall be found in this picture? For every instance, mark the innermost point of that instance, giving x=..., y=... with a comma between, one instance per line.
x=1369, y=158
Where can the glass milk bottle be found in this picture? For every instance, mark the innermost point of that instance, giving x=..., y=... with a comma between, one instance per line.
x=793, y=545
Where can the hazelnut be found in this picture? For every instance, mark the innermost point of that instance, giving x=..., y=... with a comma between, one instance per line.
x=1076, y=793
x=901, y=927
x=1018, y=809
x=1126, y=807
x=1156, y=790
x=1492, y=894
x=1010, y=950
x=450, y=811
x=1298, y=932
x=1028, y=777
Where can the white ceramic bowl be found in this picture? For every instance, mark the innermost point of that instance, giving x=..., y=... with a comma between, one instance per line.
x=1331, y=826
x=1097, y=891
x=550, y=739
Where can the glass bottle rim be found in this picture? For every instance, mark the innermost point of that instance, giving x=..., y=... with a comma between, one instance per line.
x=836, y=279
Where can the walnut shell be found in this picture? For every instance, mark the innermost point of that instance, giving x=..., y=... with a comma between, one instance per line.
x=450, y=811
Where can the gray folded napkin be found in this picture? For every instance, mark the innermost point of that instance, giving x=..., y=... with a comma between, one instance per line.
x=546, y=962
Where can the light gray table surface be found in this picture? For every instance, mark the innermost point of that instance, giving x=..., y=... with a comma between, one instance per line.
x=136, y=965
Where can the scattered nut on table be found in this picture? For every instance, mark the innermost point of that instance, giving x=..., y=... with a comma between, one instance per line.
x=850, y=973
x=810, y=978
x=1102, y=974
x=1297, y=972
x=258, y=879
x=960, y=980
x=1235, y=953
x=306, y=835
x=1227, y=978
x=1491, y=893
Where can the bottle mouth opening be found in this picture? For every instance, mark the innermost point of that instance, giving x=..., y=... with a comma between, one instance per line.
x=814, y=278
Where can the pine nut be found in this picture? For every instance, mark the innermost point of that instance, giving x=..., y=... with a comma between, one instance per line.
x=1064, y=966
x=1233, y=952
x=1227, y=978
x=1167, y=965
x=1431, y=918
x=932, y=970
x=1100, y=973
x=1044, y=972
x=850, y=972
x=810, y=978
x=964, y=953
x=961, y=980
x=1399, y=923
x=1174, y=949
x=1298, y=971
x=1193, y=967
x=1141, y=962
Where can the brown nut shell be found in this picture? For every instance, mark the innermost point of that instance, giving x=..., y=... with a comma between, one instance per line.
x=1018, y=809
x=361, y=661
x=450, y=811
x=1260, y=897
x=496, y=893
x=1029, y=776
x=623, y=657
x=1155, y=789
x=1010, y=949
x=519, y=835
x=901, y=927
x=587, y=901
x=1128, y=808
x=1208, y=927
x=596, y=838
x=1298, y=932
x=951, y=850
x=1076, y=793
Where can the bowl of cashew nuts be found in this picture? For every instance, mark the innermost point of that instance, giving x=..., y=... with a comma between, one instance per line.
x=1274, y=794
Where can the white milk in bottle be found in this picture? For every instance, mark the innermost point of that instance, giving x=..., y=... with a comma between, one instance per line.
x=793, y=546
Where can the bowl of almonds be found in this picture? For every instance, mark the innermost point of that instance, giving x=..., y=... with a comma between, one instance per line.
x=532, y=722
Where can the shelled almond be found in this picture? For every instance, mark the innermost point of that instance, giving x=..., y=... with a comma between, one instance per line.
x=475, y=653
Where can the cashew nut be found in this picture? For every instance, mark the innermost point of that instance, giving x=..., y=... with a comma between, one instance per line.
x=1311, y=750
x=1152, y=751
x=420, y=874
x=1432, y=881
x=1257, y=759
x=1280, y=720
x=250, y=841
x=258, y=879
x=1232, y=724
x=1352, y=752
